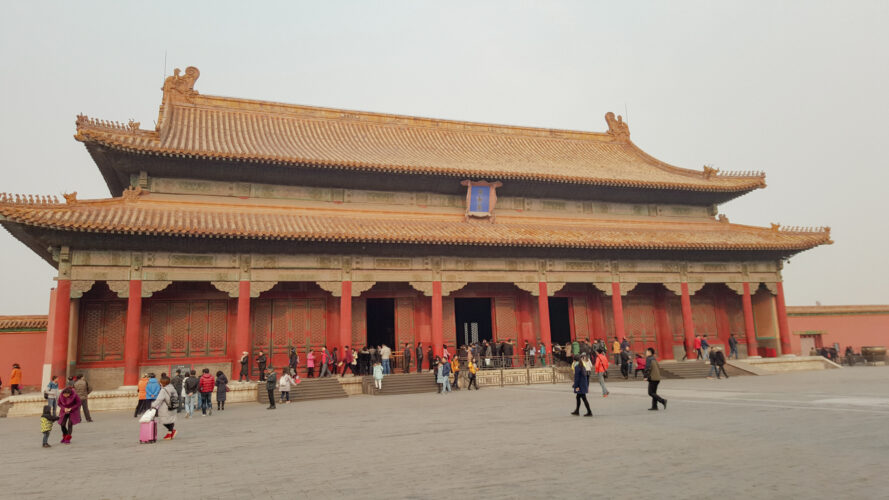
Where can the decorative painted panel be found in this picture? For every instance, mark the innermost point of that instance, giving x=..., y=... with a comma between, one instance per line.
x=404, y=321
x=177, y=336
x=199, y=327
x=505, y=314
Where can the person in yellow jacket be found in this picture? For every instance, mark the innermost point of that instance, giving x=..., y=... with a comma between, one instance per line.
x=472, y=378
x=455, y=369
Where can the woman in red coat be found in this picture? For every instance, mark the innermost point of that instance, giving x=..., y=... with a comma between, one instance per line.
x=69, y=413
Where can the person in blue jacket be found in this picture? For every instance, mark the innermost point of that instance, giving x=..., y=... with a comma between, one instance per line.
x=152, y=389
x=581, y=387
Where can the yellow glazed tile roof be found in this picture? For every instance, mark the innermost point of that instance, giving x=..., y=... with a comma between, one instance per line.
x=31, y=322
x=249, y=131
x=140, y=213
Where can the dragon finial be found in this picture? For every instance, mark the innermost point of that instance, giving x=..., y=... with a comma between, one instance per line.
x=182, y=84
x=617, y=128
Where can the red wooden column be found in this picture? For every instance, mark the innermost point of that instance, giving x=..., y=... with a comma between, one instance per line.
x=131, y=344
x=61, y=318
x=783, y=326
x=543, y=313
x=618, y=307
x=749, y=328
x=662, y=323
x=345, y=315
x=437, y=320
x=688, y=324
x=242, y=327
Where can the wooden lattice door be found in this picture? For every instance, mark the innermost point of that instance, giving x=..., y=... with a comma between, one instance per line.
x=505, y=314
x=640, y=324
x=404, y=321
x=102, y=330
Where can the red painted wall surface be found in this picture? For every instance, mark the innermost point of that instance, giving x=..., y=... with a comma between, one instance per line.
x=26, y=349
x=855, y=328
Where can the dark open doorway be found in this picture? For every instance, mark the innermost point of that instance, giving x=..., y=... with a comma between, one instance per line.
x=559, y=320
x=381, y=322
x=473, y=320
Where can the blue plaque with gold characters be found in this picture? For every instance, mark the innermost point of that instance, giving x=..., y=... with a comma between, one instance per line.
x=481, y=196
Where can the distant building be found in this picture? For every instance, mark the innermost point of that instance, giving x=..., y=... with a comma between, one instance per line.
x=241, y=225
x=826, y=326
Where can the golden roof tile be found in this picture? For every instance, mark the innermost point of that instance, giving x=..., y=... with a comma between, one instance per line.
x=211, y=127
x=30, y=322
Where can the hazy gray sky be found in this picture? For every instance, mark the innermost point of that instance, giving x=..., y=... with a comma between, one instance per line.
x=797, y=89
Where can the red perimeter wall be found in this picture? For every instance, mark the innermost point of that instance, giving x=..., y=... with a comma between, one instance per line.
x=26, y=349
x=869, y=327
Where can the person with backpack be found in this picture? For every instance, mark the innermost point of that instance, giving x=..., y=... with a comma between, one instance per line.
x=601, y=369
x=205, y=385
x=270, y=382
x=190, y=387
x=165, y=404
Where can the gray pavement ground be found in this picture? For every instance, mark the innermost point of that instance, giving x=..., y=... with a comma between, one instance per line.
x=812, y=434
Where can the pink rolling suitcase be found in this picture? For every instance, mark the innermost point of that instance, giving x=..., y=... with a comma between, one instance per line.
x=148, y=432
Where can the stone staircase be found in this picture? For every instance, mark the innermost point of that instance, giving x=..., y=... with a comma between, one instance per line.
x=310, y=389
x=694, y=369
x=401, y=383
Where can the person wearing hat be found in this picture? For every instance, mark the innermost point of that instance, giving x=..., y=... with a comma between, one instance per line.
x=245, y=372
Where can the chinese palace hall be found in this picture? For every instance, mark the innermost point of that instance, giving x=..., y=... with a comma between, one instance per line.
x=243, y=225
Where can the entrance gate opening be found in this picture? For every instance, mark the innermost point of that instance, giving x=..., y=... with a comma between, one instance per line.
x=381, y=322
x=473, y=320
x=559, y=320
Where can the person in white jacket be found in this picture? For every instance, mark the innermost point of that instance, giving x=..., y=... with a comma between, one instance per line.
x=285, y=382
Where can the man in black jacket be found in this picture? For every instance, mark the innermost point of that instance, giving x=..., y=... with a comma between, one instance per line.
x=260, y=363
x=270, y=383
x=245, y=371
x=720, y=362
x=419, y=357
x=177, y=384
x=407, y=357
x=191, y=393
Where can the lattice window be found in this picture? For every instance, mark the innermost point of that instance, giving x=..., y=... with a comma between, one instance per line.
x=581, y=318
x=218, y=328
x=177, y=338
x=158, y=325
x=262, y=325
x=318, y=320
x=359, y=317
x=281, y=330
x=198, y=329
x=703, y=313
x=505, y=314
x=404, y=321
x=449, y=329
x=115, y=331
x=300, y=325
x=734, y=309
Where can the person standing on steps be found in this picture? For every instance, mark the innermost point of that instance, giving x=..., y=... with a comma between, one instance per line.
x=270, y=386
x=385, y=355
x=653, y=375
x=705, y=347
x=697, y=346
x=260, y=363
x=430, y=357
x=325, y=363
x=293, y=361
x=284, y=385
x=407, y=357
x=733, y=346
x=378, y=376
x=581, y=387
x=419, y=357
x=245, y=371
x=310, y=364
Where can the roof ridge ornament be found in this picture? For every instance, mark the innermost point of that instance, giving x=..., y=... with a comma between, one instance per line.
x=28, y=199
x=132, y=193
x=617, y=128
x=182, y=84
x=709, y=171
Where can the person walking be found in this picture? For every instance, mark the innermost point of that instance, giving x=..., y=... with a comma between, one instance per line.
x=284, y=385
x=653, y=375
x=176, y=382
x=310, y=364
x=260, y=363
x=69, y=413
x=15, y=380
x=190, y=386
x=270, y=382
x=711, y=357
x=378, y=376
x=581, y=387
x=245, y=370
x=293, y=361
x=601, y=368
x=407, y=357
x=697, y=346
x=733, y=346
x=46, y=421
x=541, y=351
x=455, y=369
x=473, y=369
x=221, y=389
x=325, y=362
x=705, y=347
x=205, y=385
x=719, y=356
x=346, y=362
x=640, y=366
x=334, y=363
x=164, y=405
x=444, y=373
x=83, y=390
x=420, y=357
x=52, y=394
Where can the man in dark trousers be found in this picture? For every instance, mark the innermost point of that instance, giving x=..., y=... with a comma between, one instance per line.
x=419, y=357
x=733, y=346
x=719, y=357
x=83, y=390
x=495, y=354
x=653, y=375
x=429, y=356
x=245, y=372
x=176, y=382
x=260, y=363
x=270, y=383
x=407, y=357
x=625, y=363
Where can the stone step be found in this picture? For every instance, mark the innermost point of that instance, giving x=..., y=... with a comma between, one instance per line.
x=307, y=390
x=401, y=383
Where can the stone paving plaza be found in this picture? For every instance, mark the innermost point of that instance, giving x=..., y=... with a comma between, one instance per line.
x=799, y=435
